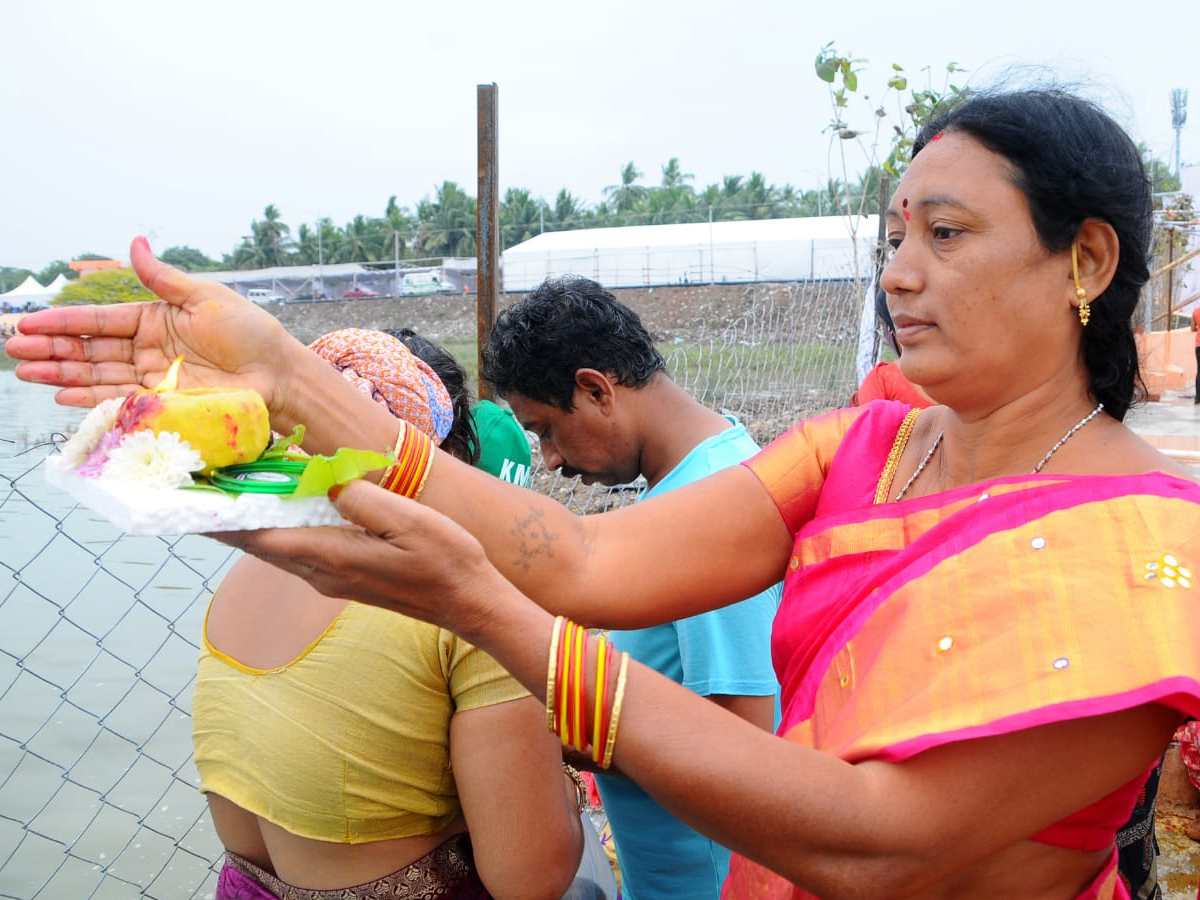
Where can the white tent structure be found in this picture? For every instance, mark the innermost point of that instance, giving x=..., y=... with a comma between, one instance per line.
x=704, y=252
x=30, y=291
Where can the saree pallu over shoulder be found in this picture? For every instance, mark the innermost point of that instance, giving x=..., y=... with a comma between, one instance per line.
x=991, y=609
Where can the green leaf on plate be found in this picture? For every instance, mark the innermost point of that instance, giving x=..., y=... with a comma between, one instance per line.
x=346, y=465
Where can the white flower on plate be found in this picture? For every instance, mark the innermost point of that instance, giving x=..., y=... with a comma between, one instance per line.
x=160, y=460
x=95, y=424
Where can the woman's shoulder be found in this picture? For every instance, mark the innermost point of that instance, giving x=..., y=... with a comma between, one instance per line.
x=1116, y=449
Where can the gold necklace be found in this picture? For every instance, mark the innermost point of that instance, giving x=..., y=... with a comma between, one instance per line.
x=937, y=442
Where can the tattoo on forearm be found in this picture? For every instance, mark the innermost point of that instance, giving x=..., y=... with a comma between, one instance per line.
x=533, y=540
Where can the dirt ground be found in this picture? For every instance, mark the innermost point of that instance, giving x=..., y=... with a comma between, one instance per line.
x=668, y=312
x=8, y=324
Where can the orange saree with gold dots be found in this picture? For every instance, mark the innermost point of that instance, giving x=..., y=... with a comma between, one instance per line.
x=979, y=611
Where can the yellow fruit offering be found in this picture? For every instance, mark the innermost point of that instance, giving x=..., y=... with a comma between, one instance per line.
x=224, y=425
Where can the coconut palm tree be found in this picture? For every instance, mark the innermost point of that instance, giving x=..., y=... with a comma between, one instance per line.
x=399, y=227
x=270, y=237
x=249, y=254
x=624, y=197
x=447, y=223
x=673, y=177
x=521, y=216
x=675, y=200
x=758, y=197
x=362, y=240
x=569, y=212
x=307, y=252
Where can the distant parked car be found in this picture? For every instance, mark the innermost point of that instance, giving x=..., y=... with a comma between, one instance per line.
x=310, y=296
x=418, y=283
x=356, y=292
x=261, y=295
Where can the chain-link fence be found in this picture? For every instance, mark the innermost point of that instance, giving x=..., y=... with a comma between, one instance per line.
x=99, y=631
x=98, y=646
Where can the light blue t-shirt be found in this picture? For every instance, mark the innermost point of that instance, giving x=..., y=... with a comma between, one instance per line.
x=726, y=651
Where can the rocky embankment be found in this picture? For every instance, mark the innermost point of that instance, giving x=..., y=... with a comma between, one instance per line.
x=668, y=312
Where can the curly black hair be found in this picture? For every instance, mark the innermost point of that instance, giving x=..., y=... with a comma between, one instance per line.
x=566, y=324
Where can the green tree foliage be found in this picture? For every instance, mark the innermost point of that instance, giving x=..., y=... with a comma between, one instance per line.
x=444, y=224
x=189, y=259
x=893, y=118
x=1162, y=179
x=12, y=277
x=399, y=227
x=447, y=223
x=106, y=286
x=271, y=236
x=52, y=271
x=624, y=197
x=568, y=212
x=521, y=216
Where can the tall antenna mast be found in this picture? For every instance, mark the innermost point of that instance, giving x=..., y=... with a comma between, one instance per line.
x=1178, y=119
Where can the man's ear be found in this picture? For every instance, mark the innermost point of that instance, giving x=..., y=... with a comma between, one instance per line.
x=594, y=387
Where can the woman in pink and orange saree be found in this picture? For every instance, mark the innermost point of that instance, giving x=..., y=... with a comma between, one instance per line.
x=964, y=715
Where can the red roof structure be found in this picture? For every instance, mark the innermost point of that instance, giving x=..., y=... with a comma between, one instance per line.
x=83, y=266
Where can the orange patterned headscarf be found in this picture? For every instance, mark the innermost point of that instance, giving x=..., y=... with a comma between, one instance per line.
x=383, y=368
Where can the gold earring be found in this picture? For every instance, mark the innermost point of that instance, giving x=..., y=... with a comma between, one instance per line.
x=1085, y=311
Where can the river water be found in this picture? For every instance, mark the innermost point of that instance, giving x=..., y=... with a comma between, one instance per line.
x=98, y=644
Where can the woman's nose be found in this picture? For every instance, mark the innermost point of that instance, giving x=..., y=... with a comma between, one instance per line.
x=899, y=273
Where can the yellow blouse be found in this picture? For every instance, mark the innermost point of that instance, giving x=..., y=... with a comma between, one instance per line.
x=349, y=742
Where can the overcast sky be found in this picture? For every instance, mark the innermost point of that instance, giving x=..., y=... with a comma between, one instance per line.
x=183, y=120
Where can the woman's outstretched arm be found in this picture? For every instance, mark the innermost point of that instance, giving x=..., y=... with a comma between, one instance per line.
x=564, y=561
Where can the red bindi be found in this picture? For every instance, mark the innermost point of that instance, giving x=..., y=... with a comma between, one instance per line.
x=907, y=214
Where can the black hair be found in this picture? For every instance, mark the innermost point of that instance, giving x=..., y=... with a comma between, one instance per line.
x=884, y=315
x=1073, y=162
x=566, y=324
x=463, y=440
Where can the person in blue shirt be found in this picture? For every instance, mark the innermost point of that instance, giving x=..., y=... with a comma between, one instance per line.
x=582, y=374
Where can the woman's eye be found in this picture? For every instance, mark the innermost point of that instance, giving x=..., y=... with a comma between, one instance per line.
x=944, y=232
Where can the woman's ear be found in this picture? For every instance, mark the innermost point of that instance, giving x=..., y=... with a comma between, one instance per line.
x=1098, y=250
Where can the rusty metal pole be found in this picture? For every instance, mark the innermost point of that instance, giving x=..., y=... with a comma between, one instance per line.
x=1170, y=297
x=487, y=228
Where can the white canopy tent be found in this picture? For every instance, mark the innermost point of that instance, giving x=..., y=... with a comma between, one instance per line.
x=31, y=291
x=799, y=249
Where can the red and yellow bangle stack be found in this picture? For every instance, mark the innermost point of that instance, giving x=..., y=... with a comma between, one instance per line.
x=414, y=460
x=566, y=713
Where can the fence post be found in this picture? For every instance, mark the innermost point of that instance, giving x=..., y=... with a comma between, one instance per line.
x=487, y=232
